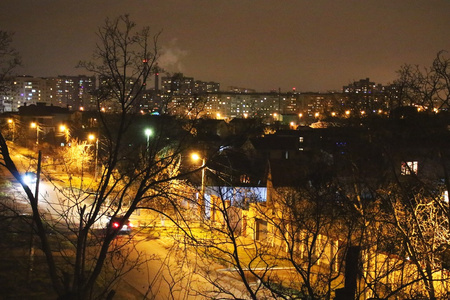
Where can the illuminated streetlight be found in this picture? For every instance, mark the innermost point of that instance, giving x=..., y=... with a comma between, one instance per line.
x=201, y=198
x=92, y=137
x=36, y=125
x=316, y=115
x=148, y=132
x=347, y=112
x=13, y=128
x=65, y=131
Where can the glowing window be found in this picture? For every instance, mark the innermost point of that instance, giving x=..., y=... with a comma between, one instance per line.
x=409, y=168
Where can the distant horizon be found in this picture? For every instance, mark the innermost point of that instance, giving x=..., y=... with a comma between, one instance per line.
x=221, y=86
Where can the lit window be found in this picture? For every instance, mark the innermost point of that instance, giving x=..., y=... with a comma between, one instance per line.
x=409, y=168
x=245, y=179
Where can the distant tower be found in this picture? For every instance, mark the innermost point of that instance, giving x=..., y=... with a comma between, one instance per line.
x=156, y=78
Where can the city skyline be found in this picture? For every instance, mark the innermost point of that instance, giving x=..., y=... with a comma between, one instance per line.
x=317, y=46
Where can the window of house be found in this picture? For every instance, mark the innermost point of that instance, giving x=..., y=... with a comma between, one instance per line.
x=409, y=168
x=245, y=179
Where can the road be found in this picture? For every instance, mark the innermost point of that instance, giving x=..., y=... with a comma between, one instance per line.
x=169, y=272
x=173, y=272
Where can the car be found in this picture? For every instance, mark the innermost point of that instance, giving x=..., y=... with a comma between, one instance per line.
x=114, y=224
x=29, y=177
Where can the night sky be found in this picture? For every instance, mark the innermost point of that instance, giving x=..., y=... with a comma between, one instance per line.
x=314, y=45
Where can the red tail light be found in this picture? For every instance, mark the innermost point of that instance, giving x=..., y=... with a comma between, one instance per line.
x=115, y=225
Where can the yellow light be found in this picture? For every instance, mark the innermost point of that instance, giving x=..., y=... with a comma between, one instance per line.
x=245, y=115
x=218, y=115
x=300, y=115
x=363, y=112
x=62, y=128
x=33, y=125
x=81, y=108
x=10, y=121
x=333, y=114
x=195, y=156
x=316, y=114
x=91, y=137
x=347, y=112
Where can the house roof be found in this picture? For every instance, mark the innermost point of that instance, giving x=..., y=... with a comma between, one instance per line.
x=42, y=110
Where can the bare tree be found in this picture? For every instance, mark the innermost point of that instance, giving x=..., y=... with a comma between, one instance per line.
x=427, y=88
x=134, y=171
x=9, y=60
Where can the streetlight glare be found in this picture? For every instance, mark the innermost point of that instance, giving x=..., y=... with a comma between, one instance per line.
x=33, y=125
x=148, y=132
x=195, y=156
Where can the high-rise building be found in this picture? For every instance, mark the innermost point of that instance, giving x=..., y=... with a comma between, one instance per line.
x=73, y=92
x=366, y=96
x=25, y=90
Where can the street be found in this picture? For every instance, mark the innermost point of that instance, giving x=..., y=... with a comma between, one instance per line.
x=173, y=271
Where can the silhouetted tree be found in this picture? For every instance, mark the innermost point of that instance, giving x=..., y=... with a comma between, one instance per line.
x=427, y=88
x=9, y=60
x=134, y=171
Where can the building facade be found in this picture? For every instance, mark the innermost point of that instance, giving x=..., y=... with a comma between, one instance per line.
x=73, y=92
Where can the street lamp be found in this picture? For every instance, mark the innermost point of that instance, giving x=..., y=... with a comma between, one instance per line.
x=201, y=199
x=148, y=132
x=65, y=131
x=13, y=128
x=36, y=125
x=92, y=137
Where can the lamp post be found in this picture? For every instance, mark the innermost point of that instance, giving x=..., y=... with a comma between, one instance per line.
x=36, y=125
x=92, y=137
x=63, y=129
x=148, y=132
x=13, y=128
x=201, y=198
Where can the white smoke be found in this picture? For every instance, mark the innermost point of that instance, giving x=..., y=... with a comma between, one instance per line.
x=171, y=58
